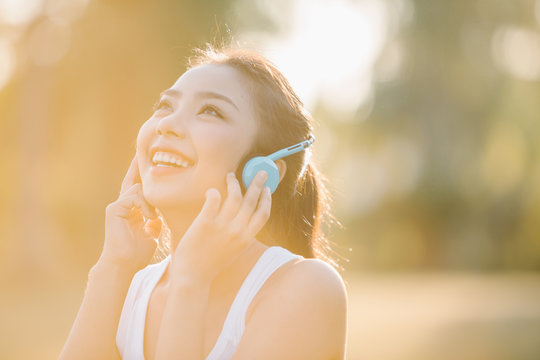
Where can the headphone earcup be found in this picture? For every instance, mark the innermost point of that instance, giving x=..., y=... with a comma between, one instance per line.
x=257, y=164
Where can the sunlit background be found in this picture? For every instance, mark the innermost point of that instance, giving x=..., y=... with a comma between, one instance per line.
x=428, y=127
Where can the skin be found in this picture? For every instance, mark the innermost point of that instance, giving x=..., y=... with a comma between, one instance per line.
x=215, y=132
x=213, y=228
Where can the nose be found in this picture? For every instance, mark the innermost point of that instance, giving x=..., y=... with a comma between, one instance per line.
x=172, y=126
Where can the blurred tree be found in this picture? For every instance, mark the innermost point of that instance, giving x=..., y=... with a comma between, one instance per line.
x=477, y=130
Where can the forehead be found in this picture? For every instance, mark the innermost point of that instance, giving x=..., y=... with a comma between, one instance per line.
x=219, y=78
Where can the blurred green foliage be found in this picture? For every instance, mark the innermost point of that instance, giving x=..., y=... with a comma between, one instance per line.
x=476, y=203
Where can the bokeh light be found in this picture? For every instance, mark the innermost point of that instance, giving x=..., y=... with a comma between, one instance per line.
x=19, y=12
x=517, y=51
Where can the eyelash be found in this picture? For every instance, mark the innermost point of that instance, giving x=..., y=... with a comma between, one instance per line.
x=158, y=106
x=214, y=109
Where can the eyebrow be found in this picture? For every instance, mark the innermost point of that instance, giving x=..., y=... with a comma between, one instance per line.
x=202, y=94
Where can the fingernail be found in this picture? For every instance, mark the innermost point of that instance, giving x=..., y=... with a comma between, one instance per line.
x=262, y=175
x=267, y=190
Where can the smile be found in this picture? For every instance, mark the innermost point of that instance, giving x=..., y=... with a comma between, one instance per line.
x=165, y=159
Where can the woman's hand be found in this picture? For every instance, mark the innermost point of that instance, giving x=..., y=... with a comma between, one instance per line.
x=221, y=232
x=129, y=238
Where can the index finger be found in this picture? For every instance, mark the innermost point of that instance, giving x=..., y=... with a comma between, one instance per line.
x=132, y=176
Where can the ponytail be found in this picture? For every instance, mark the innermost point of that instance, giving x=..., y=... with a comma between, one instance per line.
x=300, y=210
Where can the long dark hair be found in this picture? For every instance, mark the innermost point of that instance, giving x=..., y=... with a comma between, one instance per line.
x=301, y=204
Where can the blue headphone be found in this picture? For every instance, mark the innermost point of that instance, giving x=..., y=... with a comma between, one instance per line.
x=266, y=163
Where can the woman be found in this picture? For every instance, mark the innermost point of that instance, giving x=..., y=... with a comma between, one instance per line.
x=244, y=278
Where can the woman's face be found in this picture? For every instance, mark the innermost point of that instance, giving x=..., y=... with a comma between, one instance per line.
x=206, y=123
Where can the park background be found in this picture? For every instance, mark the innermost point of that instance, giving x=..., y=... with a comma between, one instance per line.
x=428, y=128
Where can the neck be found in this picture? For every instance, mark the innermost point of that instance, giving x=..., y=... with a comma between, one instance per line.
x=224, y=280
x=178, y=223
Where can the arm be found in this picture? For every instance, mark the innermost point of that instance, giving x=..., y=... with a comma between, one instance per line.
x=128, y=247
x=184, y=313
x=303, y=317
x=218, y=234
x=94, y=331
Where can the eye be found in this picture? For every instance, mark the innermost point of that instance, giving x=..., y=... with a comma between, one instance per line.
x=211, y=110
x=163, y=105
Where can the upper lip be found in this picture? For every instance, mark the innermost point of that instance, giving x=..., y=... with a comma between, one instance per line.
x=166, y=148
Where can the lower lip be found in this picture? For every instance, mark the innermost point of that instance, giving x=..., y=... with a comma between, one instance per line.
x=167, y=170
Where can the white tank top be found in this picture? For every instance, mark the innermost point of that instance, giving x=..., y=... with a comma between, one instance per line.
x=130, y=333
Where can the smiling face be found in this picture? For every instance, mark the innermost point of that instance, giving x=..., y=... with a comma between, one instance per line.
x=206, y=124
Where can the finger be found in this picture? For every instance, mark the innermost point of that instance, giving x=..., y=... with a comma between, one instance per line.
x=124, y=207
x=136, y=189
x=251, y=198
x=261, y=214
x=210, y=207
x=133, y=189
x=153, y=227
x=234, y=198
x=132, y=175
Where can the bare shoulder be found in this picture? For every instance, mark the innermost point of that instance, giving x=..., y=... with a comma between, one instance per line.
x=314, y=279
x=312, y=276
x=303, y=310
x=303, y=279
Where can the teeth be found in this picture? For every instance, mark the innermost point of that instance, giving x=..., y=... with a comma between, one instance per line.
x=164, y=158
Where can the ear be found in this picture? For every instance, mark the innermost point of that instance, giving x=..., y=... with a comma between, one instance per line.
x=282, y=167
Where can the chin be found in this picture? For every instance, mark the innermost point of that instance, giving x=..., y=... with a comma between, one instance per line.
x=172, y=199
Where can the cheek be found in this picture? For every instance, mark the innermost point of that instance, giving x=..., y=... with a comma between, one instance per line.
x=144, y=134
x=221, y=159
x=221, y=155
x=224, y=148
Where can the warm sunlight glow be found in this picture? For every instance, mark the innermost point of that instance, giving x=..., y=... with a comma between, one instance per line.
x=19, y=12
x=330, y=50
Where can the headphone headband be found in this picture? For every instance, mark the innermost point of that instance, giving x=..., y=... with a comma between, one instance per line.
x=267, y=164
x=292, y=149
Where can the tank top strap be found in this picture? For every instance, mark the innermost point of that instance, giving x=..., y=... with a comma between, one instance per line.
x=233, y=328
